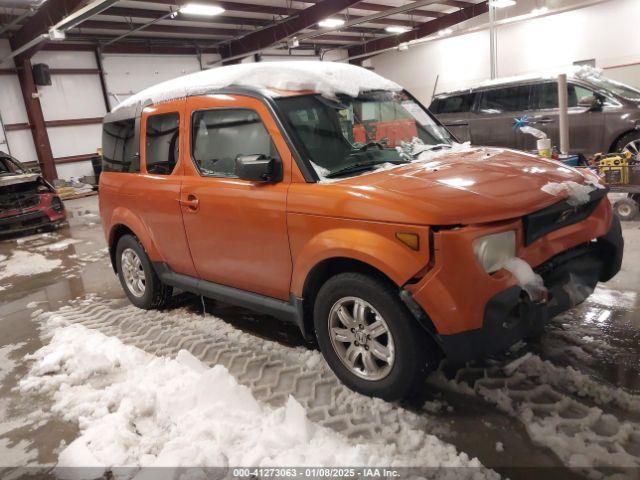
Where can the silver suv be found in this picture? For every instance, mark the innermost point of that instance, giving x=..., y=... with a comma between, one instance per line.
x=604, y=115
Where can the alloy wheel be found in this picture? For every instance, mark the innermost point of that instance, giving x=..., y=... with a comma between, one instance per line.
x=133, y=272
x=361, y=338
x=633, y=147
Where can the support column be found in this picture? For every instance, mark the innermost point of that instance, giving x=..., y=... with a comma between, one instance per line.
x=36, y=119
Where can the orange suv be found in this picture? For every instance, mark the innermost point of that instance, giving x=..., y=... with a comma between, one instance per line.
x=326, y=195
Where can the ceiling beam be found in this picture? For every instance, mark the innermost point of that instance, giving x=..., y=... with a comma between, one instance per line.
x=129, y=12
x=424, y=30
x=50, y=13
x=274, y=11
x=261, y=39
x=376, y=7
x=148, y=13
x=156, y=28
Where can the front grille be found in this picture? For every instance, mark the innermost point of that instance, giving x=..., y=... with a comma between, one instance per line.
x=23, y=222
x=558, y=215
x=18, y=201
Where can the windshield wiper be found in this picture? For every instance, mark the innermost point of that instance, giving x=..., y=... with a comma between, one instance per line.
x=355, y=167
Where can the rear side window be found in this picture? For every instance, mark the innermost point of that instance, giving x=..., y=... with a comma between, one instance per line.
x=547, y=95
x=508, y=99
x=162, y=143
x=120, y=147
x=456, y=103
x=219, y=136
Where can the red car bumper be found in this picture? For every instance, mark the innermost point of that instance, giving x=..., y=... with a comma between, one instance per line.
x=49, y=211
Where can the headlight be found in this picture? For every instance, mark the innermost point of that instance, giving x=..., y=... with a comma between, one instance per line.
x=493, y=250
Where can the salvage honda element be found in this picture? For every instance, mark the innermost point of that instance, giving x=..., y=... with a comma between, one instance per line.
x=326, y=195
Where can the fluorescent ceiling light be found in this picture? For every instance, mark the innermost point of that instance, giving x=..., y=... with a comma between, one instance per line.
x=331, y=23
x=539, y=11
x=200, y=9
x=396, y=29
x=502, y=3
x=446, y=31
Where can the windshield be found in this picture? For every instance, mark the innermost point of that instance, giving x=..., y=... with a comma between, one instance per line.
x=351, y=135
x=618, y=88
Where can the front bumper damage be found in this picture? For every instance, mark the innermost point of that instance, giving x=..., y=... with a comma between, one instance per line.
x=48, y=211
x=510, y=315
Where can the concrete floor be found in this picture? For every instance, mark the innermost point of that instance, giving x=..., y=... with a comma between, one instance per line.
x=473, y=408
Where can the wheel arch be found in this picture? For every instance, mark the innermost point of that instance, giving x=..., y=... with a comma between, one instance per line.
x=619, y=137
x=124, y=222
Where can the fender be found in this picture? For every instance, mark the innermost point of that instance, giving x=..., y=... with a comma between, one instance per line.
x=379, y=250
x=124, y=216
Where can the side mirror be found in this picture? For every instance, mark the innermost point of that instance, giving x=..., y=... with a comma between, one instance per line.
x=593, y=103
x=257, y=168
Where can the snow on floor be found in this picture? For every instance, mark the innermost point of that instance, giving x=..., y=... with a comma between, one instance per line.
x=6, y=363
x=20, y=453
x=60, y=246
x=137, y=409
x=534, y=391
x=24, y=264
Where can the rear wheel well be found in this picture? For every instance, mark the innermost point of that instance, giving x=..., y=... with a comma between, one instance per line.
x=116, y=234
x=612, y=149
x=326, y=269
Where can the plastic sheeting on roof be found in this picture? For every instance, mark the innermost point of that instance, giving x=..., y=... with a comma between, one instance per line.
x=326, y=78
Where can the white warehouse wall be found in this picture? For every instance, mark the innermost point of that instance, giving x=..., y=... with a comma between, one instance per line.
x=554, y=41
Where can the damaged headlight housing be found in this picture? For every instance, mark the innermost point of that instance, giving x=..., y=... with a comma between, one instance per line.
x=493, y=250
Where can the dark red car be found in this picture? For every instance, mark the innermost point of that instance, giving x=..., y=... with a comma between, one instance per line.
x=27, y=201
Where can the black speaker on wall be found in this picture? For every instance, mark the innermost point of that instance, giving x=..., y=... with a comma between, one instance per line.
x=41, y=74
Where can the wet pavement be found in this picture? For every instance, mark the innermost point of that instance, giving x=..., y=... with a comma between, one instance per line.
x=571, y=400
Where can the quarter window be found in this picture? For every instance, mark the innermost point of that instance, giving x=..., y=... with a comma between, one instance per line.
x=219, y=136
x=508, y=99
x=120, y=147
x=162, y=143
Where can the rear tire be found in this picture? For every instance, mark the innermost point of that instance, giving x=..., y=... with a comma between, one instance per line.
x=629, y=141
x=137, y=276
x=395, y=359
x=626, y=209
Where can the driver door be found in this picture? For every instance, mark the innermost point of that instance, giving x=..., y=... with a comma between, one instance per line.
x=236, y=229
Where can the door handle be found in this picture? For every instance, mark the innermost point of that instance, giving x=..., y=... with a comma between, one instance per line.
x=192, y=203
x=545, y=120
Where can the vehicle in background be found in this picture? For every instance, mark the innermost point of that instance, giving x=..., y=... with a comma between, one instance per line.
x=349, y=210
x=27, y=201
x=604, y=115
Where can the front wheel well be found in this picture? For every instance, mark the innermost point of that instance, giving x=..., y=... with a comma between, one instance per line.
x=117, y=233
x=328, y=268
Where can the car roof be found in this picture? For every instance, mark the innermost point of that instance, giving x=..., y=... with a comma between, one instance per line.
x=269, y=79
x=576, y=73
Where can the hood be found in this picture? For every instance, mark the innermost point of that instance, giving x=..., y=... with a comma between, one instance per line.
x=475, y=185
x=13, y=179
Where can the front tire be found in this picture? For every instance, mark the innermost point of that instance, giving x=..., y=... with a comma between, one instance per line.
x=369, y=338
x=137, y=276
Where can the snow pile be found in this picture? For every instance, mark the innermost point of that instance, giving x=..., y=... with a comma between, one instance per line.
x=577, y=194
x=61, y=245
x=326, y=78
x=528, y=280
x=416, y=149
x=24, y=264
x=136, y=409
x=575, y=381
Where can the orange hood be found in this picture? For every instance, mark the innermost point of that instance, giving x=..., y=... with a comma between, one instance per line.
x=477, y=185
